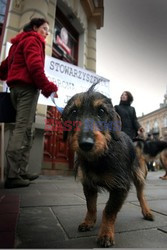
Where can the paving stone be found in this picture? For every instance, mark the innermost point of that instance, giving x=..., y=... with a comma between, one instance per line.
x=38, y=227
x=71, y=217
x=157, y=192
x=78, y=243
x=53, y=207
x=21, y=191
x=141, y=239
x=129, y=218
x=135, y=239
x=32, y=200
x=163, y=229
x=160, y=206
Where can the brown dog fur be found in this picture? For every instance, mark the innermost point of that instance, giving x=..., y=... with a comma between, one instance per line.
x=106, y=159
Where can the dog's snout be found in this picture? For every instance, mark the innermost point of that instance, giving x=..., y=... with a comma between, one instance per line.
x=86, y=144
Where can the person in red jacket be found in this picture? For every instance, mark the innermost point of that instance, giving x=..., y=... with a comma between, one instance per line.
x=23, y=71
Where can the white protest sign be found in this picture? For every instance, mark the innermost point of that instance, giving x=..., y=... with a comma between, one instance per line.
x=70, y=80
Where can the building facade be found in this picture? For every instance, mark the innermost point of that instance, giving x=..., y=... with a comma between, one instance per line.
x=155, y=123
x=73, y=27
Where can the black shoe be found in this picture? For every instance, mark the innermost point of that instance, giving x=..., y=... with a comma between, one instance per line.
x=29, y=177
x=16, y=183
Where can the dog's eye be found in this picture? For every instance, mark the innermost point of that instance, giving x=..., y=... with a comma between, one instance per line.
x=101, y=112
x=74, y=112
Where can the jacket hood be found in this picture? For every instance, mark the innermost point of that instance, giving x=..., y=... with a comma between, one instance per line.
x=23, y=35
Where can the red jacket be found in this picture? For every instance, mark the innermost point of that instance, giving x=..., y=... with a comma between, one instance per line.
x=25, y=63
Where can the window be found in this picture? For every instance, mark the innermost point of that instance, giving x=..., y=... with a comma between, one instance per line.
x=65, y=43
x=3, y=4
x=148, y=127
x=165, y=121
x=156, y=126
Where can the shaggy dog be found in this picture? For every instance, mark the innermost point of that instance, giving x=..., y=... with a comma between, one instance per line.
x=106, y=156
x=163, y=160
x=148, y=150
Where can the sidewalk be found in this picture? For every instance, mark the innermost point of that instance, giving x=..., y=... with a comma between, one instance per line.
x=49, y=211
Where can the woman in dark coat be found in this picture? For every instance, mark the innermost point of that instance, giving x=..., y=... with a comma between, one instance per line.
x=127, y=113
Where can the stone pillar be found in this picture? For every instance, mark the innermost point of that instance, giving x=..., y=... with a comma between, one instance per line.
x=40, y=8
x=32, y=9
x=51, y=18
x=91, y=46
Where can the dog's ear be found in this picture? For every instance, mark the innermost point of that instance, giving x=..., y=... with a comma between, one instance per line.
x=117, y=125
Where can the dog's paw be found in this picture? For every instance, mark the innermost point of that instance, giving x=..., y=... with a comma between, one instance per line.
x=149, y=216
x=83, y=227
x=105, y=241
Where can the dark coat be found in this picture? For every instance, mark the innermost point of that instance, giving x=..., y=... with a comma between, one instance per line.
x=25, y=63
x=130, y=124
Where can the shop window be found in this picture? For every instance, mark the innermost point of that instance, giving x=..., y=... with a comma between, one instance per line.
x=65, y=42
x=3, y=5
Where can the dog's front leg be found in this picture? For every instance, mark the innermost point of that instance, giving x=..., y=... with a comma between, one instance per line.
x=91, y=200
x=143, y=203
x=106, y=232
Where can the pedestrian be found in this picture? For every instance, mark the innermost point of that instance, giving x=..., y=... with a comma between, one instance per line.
x=23, y=71
x=127, y=113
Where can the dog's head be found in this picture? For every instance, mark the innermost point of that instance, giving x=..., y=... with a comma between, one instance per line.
x=90, y=123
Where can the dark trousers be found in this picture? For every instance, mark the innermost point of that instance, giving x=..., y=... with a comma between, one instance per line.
x=25, y=100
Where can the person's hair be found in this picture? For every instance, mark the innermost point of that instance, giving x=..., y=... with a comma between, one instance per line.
x=130, y=98
x=34, y=22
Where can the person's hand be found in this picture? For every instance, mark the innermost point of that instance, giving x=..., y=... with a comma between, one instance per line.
x=55, y=95
x=140, y=131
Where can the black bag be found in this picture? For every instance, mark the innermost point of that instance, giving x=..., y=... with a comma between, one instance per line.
x=7, y=111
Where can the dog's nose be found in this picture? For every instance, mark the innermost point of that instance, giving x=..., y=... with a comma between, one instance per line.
x=86, y=144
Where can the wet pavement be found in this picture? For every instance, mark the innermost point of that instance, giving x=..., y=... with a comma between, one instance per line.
x=47, y=214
